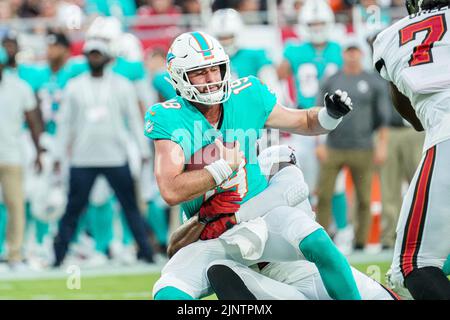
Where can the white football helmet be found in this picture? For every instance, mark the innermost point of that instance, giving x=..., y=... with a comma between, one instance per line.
x=227, y=23
x=128, y=46
x=193, y=51
x=49, y=196
x=316, y=12
x=107, y=29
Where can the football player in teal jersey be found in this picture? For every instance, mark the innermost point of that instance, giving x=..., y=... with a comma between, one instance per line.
x=309, y=62
x=210, y=109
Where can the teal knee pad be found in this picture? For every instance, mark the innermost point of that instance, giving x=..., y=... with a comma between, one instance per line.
x=172, y=293
x=157, y=218
x=339, y=208
x=3, y=224
x=446, y=267
x=333, y=267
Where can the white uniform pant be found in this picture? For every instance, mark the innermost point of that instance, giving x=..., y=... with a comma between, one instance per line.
x=423, y=229
x=186, y=270
x=299, y=280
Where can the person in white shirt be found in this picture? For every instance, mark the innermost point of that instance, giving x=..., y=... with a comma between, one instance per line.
x=99, y=116
x=17, y=103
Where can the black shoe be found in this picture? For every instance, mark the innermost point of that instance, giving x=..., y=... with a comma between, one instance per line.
x=358, y=247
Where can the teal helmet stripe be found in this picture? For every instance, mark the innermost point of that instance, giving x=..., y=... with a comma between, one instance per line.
x=204, y=46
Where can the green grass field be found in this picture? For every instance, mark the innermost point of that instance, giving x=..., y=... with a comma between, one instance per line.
x=114, y=287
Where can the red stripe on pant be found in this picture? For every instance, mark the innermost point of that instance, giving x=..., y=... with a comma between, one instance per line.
x=416, y=217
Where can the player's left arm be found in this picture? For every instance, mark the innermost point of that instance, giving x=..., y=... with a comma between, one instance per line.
x=33, y=117
x=403, y=105
x=314, y=121
x=184, y=235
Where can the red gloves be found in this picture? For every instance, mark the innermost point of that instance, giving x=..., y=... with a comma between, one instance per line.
x=214, y=229
x=221, y=203
x=218, y=214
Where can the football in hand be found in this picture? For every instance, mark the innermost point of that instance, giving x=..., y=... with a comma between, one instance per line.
x=205, y=156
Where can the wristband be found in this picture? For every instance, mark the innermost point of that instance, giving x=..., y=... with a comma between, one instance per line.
x=326, y=121
x=220, y=170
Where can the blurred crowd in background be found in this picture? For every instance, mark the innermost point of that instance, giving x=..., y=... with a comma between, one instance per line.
x=299, y=54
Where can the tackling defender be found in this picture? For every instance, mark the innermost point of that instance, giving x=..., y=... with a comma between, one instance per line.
x=413, y=55
x=209, y=107
x=296, y=280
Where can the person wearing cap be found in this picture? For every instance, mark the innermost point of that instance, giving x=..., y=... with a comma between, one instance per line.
x=17, y=101
x=351, y=144
x=99, y=115
x=26, y=72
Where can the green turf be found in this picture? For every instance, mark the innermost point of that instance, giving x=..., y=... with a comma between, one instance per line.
x=114, y=287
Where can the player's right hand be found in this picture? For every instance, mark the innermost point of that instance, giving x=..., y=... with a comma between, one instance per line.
x=219, y=204
x=338, y=104
x=233, y=156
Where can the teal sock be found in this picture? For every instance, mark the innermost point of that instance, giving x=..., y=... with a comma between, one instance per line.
x=42, y=231
x=41, y=228
x=3, y=224
x=101, y=218
x=157, y=218
x=333, y=267
x=83, y=225
x=447, y=266
x=339, y=209
x=127, y=235
x=172, y=293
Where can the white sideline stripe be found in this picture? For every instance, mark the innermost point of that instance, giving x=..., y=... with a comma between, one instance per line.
x=114, y=270
x=103, y=271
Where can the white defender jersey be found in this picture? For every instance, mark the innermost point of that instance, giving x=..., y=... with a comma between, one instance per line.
x=414, y=54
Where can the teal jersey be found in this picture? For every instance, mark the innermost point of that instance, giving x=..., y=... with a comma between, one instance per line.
x=51, y=86
x=162, y=86
x=116, y=8
x=310, y=66
x=27, y=73
x=244, y=116
x=248, y=62
x=132, y=70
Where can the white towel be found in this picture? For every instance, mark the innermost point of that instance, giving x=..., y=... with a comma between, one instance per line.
x=249, y=236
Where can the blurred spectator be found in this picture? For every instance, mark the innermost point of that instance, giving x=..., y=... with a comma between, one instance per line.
x=248, y=5
x=20, y=106
x=190, y=6
x=351, y=143
x=48, y=8
x=155, y=8
x=11, y=45
x=116, y=8
x=94, y=126
x=29, y=9
x=5, y=10
x=239, y=5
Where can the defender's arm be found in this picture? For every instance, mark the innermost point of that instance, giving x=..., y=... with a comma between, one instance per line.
x=403, y=105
